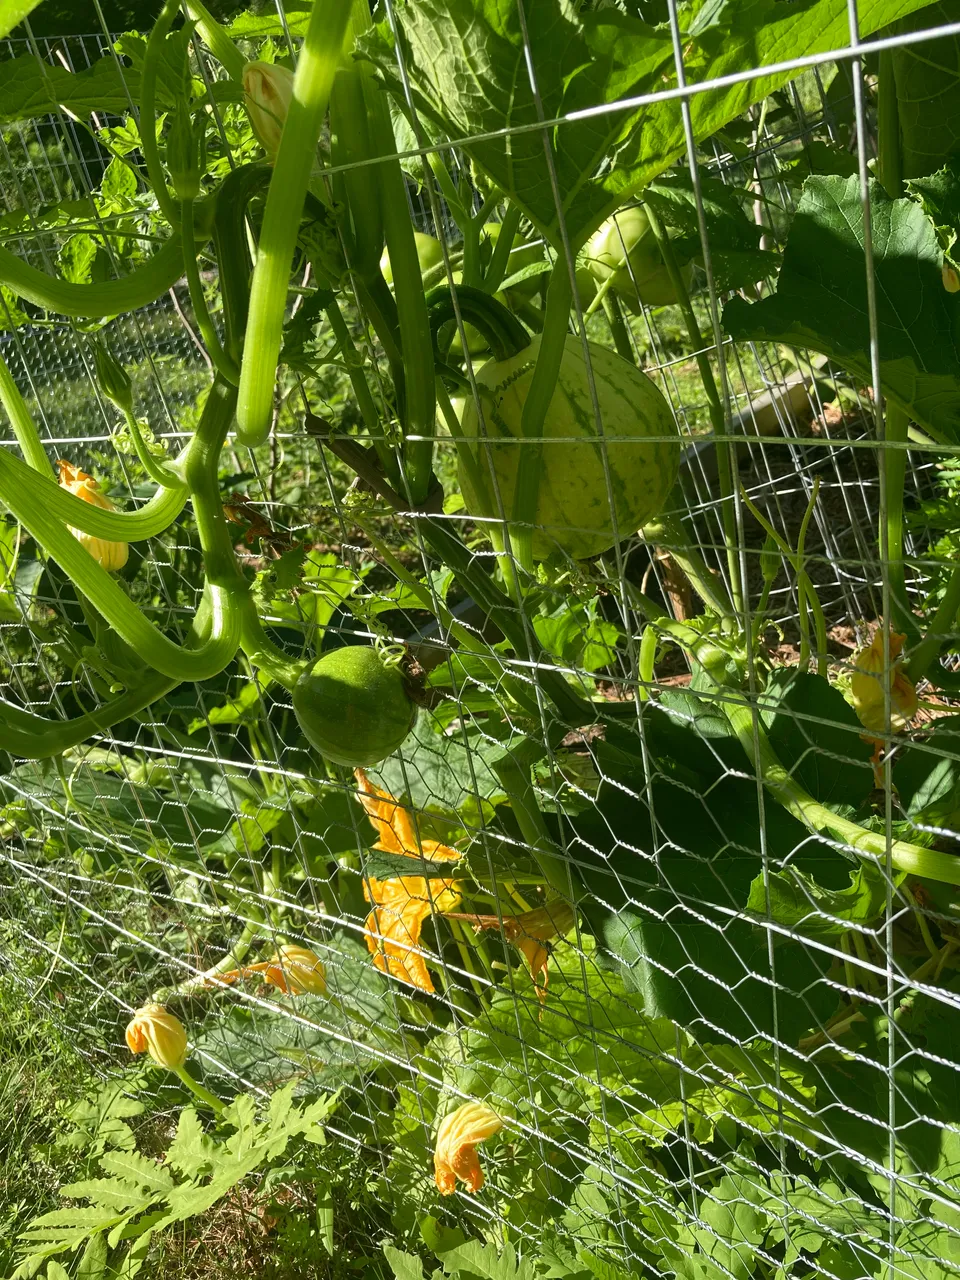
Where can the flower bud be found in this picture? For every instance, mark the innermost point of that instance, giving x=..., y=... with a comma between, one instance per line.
x=186, y=146
x=113, y=379
x=267, y=93
x=296, y=971
x=951, y=280
x=867, y=686
x=112, y=555
x=770, y=560
x=154, y=1030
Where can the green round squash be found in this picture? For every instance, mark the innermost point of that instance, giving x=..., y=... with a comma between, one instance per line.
x=353, y=706
x=429, y=255
x=573, y=506
x=521, y=255
x=646, y=279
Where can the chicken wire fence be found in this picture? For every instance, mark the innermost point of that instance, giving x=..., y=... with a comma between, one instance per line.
x=785, y=1101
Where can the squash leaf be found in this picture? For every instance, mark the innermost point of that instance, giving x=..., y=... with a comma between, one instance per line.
x=821, y=299
x=467, y=62
x=799, y=903
x=13, y=12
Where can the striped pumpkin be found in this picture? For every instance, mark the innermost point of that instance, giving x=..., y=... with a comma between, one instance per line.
x=574, y=510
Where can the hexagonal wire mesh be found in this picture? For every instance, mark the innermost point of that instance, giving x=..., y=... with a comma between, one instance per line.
x=743, y=1063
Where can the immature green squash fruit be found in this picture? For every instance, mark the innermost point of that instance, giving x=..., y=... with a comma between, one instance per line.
x=429, y=255
x=521, y=255
x=646, y=279
x=574, y=512
x=352, y=706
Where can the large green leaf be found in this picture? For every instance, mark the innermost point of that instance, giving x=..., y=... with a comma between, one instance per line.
x=467, y=61
x=449, y=773
x=928, y=92
x=326, y=1045
x=927, y=775
x=485, y=1261
x=735, y=255
x=31, y=87
x=13, y=12
x=112, y=813
x=798, y=902
x=817, y=736
x=673, y=925
x=821, y=299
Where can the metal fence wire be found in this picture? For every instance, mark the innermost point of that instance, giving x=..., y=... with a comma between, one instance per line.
x=730, y=1050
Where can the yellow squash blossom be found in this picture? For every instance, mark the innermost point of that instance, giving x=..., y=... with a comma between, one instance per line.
x=295, y=971
x=867, y=686
x=531, y=934
x=455, y=1154
x=112, y=555
x=267, y=94
x=154, y=1030
x=400, y=906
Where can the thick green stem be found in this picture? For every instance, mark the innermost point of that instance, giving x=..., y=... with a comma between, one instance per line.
x=543, y=384
x=99, y=300
x=195, y=1087
x=447, y=189
x=618, y=326
x=523, y=801
x=107, y=597
x=153, y=518
x=161, y=473
x=316, y=68
x=419, y=405
x=726, y=456
x=24, y=428
x=263, y=653
x=216, y=39
x=743, y=719
x=472, y=273
x=222, y=362
x=666, y=531
x=944, y=622
x=500, y=258
x=148, y=112
x=799, y=804
x=36, y=738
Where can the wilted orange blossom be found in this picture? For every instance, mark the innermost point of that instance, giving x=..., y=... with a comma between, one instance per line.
x=531, y=933
x=455, y=1153
x=867, y=685
x=294, y=970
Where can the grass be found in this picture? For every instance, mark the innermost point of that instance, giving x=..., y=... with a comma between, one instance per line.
x=275, y=1234
x=275, y=1228
x=41, y=1074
